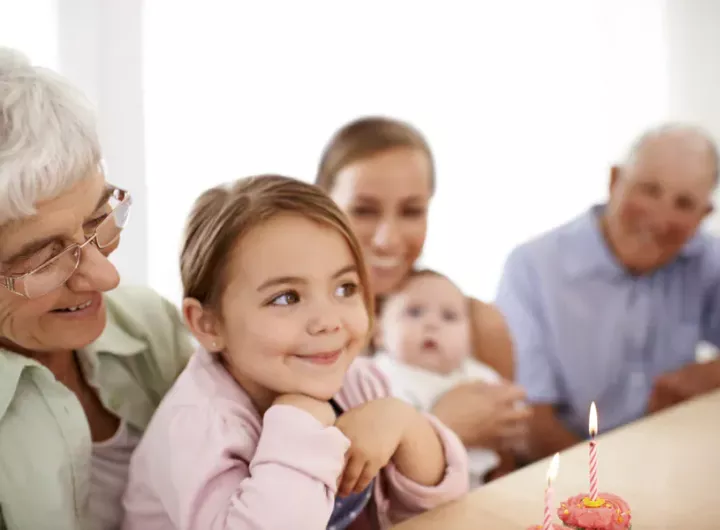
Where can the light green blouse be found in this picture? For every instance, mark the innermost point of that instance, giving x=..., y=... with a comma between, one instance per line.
x=45, y=444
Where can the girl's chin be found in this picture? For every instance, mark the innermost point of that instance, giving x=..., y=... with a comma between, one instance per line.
x=321, y=392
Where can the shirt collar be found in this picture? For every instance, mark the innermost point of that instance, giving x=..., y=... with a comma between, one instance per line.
x=114, y=340
x=12, y=366
x=593, y=254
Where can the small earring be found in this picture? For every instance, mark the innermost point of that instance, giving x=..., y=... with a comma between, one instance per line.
x=214, y=345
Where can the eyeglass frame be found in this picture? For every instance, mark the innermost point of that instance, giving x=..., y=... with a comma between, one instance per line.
x=8, y=282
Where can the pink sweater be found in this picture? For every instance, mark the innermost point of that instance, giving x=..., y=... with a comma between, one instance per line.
x=208, y=461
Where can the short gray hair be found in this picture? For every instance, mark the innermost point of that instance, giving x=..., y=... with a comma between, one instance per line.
x=48, y=136
x=688, y=133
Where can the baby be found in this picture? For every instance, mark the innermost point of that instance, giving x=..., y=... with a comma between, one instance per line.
x=424, y=338
x=276, y=423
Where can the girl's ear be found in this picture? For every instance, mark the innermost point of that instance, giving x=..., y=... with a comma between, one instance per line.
x=204, y=325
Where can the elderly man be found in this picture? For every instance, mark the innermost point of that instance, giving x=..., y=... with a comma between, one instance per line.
x=611, y=306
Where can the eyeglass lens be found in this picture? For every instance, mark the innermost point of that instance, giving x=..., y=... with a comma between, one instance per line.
x=57, y=271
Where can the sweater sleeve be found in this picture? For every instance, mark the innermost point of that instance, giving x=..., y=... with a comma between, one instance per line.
x=396, y=495
x=290, y=481
x=407, y=498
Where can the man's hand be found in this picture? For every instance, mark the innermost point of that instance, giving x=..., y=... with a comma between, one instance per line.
x=675, y=387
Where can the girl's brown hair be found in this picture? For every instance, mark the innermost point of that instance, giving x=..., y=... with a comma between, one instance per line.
x=222, y=215
x=365, y=138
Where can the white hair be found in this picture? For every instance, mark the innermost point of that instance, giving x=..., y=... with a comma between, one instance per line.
x=48, y=136
x=694, y=137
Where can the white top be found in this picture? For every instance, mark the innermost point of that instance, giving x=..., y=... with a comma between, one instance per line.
x=108, y=477
x=422, y=388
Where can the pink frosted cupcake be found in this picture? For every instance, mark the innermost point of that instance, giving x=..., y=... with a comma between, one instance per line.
x=612, y=514
x=540, y=527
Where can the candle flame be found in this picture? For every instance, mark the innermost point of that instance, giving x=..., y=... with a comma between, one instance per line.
x=593, y=420
x=553, y=469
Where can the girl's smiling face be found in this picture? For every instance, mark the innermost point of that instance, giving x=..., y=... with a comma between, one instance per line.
x=293, y=315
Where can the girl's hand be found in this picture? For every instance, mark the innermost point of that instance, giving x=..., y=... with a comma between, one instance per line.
x=375, y=430
x=320, y=410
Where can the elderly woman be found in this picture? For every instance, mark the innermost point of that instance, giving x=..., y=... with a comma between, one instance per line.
x=82, y=369
x=380, y=171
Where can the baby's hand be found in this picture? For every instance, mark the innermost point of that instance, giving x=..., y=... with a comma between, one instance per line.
x=320, y=410
x=375, y=430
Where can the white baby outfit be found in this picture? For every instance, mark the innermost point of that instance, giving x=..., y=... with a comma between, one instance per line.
x=422, y=388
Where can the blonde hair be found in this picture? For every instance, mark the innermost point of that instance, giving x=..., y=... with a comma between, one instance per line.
x=48, y=136
x=222, y=215
x=365, y=138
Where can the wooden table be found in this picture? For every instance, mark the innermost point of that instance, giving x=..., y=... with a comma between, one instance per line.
x=667, y=467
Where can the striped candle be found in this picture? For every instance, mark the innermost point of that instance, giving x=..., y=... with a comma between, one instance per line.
x=547, y=520
x=593, y=454
x=551, y=474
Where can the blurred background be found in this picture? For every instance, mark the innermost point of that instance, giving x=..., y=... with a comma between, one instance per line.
x=526, y=104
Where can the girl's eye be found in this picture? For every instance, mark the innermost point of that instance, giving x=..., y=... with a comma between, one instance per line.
x=347, y=289
x=286, y=298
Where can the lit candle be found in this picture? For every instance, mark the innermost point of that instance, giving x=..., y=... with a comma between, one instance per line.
x=551, y=475
x=593, y=453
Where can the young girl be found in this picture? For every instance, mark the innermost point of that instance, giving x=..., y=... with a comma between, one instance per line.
x=275, y=424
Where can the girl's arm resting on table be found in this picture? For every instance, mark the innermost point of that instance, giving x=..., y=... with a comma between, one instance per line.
x=289, y=483
x=429, y=468
x=420, y=456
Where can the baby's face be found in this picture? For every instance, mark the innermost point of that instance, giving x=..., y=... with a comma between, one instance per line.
x=427, y=324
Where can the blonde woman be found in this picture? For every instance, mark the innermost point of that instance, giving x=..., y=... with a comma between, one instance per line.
x=381, y=172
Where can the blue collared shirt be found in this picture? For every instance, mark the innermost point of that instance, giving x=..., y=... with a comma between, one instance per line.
x=585, y=330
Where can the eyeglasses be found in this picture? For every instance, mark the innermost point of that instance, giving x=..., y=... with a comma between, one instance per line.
x=58, y=269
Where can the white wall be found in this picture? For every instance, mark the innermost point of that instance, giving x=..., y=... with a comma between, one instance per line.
x=31, y=26
x=524, y=103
